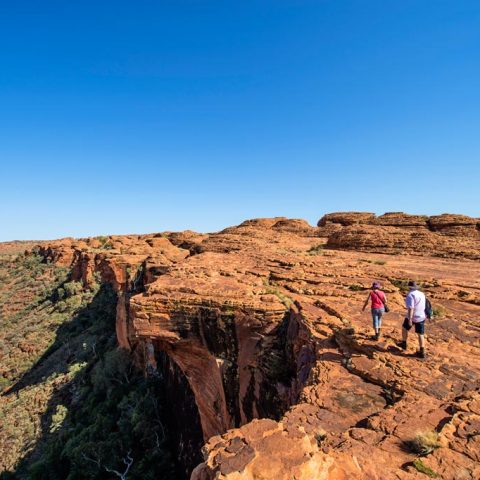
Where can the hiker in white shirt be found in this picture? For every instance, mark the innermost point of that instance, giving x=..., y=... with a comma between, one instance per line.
x=415, y=303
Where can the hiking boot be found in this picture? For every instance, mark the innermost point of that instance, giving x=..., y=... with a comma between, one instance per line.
x=402, y=345
x=421, y=353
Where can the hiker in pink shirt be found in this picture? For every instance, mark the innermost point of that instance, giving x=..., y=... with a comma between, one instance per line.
x=378, y=307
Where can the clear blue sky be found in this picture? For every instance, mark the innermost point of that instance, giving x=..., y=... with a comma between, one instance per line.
x=141, y=116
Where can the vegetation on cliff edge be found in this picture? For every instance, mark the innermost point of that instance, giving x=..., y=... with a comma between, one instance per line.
x=72, y=406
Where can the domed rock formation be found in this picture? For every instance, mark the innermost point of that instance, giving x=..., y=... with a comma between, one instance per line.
x=396, y=233
x=346, y=218
x=400, y=219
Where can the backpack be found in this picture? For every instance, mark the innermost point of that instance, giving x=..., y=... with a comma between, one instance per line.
x=428, y=309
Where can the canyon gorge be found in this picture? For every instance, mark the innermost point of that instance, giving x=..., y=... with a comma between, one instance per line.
x=267, y=363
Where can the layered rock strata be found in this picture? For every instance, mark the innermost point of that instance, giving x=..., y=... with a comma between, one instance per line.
x=259, y=333
x=442, y=235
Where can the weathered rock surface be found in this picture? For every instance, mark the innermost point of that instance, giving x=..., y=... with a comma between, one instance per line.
x=346, y=218
x=442, y=235
x=399, y=219
x=264, y=325
x=16, y=247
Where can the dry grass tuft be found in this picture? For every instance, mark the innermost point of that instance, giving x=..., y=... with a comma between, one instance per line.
x=425, y=442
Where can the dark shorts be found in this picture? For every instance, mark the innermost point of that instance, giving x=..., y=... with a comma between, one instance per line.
x=419, y=327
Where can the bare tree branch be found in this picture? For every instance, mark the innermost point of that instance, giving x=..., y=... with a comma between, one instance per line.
x=127, y=460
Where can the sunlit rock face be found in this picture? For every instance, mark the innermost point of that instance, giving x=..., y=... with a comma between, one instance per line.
x=259, y=336
x=444, y=235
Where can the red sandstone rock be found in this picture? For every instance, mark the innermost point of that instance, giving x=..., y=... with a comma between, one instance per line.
x=263, y=323
x=462, y=241
x=298, y=226
x=448, y=219
x=384, y=239
x=456, y=225
x=262, y=222
x=266, y=449
x=346, y=218
x=442, y=235
x=16, y=247
x=400, y=219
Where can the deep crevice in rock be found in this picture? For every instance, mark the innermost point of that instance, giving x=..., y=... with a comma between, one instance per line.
x=183, y=421
x=274, y=373
x=218, y=332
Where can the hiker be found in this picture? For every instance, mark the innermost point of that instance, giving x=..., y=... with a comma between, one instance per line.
x=379, y=306
x=415, y=302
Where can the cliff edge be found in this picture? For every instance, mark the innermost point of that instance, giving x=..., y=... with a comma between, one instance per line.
x=258, y=333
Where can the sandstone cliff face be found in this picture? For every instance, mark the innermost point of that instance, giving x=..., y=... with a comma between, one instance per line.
x=258, y=332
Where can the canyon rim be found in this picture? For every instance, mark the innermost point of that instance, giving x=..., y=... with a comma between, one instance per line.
x=256, y=345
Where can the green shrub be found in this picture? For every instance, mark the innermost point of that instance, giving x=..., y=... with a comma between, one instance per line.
x=4, y=383
x=422, y=468
x=316, y=249
x=118, y=413
x=105, y=243
x=402, y=285
x=72, y=288
x=374, y=262
x=101, y=409
x=58, y=417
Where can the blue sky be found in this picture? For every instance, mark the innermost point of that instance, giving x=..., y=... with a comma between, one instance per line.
x=125, y=117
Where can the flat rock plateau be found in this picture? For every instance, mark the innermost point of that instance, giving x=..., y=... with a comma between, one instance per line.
x=259, y=333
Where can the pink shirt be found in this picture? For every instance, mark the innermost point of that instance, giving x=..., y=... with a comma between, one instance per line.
x=378, y=298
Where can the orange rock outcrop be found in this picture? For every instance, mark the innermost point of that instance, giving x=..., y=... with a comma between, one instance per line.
x=442, y=235
x=261, y=324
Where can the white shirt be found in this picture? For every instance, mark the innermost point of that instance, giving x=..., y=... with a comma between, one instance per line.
x=416, y=300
